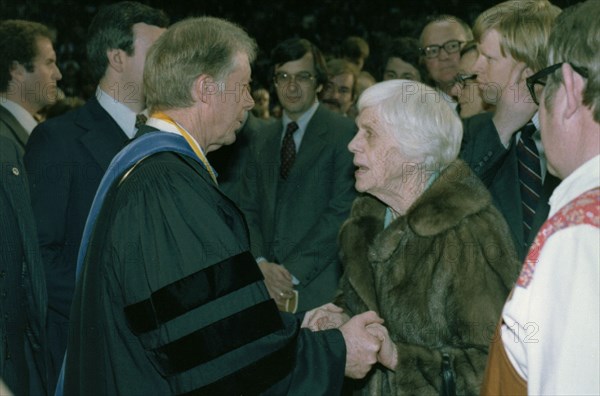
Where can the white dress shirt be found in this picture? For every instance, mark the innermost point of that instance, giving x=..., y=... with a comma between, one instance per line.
x=122, y=114
x=23, y=116
x=302, y=124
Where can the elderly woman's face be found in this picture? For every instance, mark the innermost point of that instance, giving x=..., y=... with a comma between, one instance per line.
x=377, y=156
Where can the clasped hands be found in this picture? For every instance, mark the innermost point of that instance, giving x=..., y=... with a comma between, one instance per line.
x=367, y=340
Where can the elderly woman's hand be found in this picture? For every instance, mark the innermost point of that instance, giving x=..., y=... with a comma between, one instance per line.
x=388, y=354
x=325, y=317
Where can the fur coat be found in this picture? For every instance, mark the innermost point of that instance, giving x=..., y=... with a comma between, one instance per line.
x=438, y=276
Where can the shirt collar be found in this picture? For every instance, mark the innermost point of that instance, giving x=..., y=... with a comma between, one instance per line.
x=165, y=126
x=303, y=120
x=122, y=114
x=23, y=116
x=536, y=121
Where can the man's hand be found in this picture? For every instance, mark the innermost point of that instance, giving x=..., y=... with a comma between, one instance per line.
x=361, y=346
x=388, y=354
x=278, y=281
x=325, y=317
x=515, y=107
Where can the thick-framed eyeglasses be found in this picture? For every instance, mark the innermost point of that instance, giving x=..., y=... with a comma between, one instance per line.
x=433, y=51
x=541, y=77
x=283, y=78
x=462, y=78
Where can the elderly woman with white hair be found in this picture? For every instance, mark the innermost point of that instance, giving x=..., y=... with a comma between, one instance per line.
x=424, y=247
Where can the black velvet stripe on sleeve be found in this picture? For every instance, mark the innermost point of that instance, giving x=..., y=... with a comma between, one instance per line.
x=192, y=291
x=254, y=378
x=219, y=338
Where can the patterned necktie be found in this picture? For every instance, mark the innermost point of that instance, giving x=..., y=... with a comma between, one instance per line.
x=140, y=119
x=530, y=176
x=288, y=150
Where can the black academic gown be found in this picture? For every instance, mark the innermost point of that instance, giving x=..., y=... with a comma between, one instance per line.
x=170, y=300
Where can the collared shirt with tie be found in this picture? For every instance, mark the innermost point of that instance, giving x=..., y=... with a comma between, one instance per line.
x=288, y=150
x=301, y=123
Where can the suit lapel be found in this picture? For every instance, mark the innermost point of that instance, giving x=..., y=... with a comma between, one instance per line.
x=269, y=160
x=20, y=134
x=17, y=194
x=512, y=209
x=104, y=138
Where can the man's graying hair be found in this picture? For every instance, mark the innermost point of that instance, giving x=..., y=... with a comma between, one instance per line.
x=575, y=38
x=448, y=19
x=187, y=50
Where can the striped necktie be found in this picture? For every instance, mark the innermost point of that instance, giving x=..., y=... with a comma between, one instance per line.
x=288, y=150
x=530, y=176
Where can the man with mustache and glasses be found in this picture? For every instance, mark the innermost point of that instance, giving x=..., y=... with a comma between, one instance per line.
x=339, y=93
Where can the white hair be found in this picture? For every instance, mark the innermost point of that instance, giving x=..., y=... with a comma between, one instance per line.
x=425, y=126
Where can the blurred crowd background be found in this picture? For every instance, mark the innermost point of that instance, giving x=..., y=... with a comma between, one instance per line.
x=324, y=22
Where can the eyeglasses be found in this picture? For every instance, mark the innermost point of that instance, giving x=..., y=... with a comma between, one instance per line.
x=286, y=78
x=433, y=51
x=463, y=78
x=541, y=77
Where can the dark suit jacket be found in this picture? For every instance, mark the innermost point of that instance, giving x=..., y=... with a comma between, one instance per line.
x=66, y=158
x=22, y=282
x=11, y=128
x=231, y=161
x=498, y=168
x=295, y=222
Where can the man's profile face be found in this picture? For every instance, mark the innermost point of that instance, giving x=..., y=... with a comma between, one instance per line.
x=338, y=93
x=297, y=96
x=444, y=67
x=493, y=69
x=40, y=84
x=229, y=104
